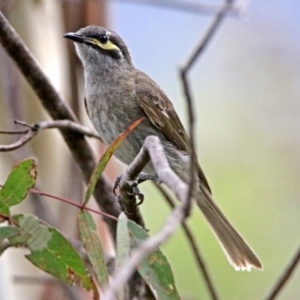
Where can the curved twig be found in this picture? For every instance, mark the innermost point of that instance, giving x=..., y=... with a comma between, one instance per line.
x=153, y=149
x=285, y=276
x=36, y=128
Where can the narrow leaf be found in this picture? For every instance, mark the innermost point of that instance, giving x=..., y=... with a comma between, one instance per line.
x=92, y=245
x=123, y=246
x=52, y=252
x=155, y=268
x=105, y=159
x=123, y=240
x=19, y=181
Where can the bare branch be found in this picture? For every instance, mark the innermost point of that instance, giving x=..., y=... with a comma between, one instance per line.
x=186, y=88
x=58, y=110
x=227, y=6
x=285, y=276
x=36, y=128
x=10, y=132
x=184, y=72
x=152, y=148
x=21, y=142
x=186, y=6
x=195, y=249
x=67, y=124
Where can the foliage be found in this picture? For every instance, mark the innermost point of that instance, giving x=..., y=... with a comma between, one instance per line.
x=51, y=252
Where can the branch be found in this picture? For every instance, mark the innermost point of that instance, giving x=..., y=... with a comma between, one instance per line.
x=152, y=148
x=285, y=276
x=227, y=7
x=195, y=249
x=58, y=110
x=127, y=196
x=187, y=6
x=36, y=128
x=184, y=72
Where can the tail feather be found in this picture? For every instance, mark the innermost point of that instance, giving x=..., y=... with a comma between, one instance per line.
x=238, y=252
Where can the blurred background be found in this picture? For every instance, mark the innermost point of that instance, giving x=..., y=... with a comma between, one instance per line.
x=246, y=89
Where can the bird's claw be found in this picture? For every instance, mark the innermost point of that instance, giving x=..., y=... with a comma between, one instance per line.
x=136, y=193
x=117, y=184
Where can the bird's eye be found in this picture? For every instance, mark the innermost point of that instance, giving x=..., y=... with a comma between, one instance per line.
x=103, y=38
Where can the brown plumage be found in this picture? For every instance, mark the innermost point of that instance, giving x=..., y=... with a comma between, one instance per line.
x=117, y=94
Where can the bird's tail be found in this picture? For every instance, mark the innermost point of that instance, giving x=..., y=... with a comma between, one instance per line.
x=238, y=252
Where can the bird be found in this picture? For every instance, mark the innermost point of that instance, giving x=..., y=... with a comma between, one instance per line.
x=116, y=95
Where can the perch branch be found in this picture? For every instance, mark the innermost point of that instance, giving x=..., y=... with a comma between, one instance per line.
x=152, y=148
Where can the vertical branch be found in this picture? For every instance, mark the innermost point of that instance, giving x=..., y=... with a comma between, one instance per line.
x=227, y=6
x=186, y=87
x=285, y=276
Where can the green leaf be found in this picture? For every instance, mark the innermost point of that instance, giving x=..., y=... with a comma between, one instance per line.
x=105, y=159
x=92, y=245
x=123, y=240
x=52, y=252
x=8, y=231
x=19, y=182
x=155, y=268
x=123, y=246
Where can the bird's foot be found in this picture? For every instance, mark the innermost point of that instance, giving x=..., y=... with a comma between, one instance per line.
x=136, y=193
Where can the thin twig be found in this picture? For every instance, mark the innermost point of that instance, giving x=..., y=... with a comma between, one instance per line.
x=185, y=6
x=227, y=6
x=18, y=144
x=62, y=199
x=184, y=72
x=34, y=191
x=153, y=148
x=285, y=276
x=195, y=249
x=10, y=132
x=35, y=129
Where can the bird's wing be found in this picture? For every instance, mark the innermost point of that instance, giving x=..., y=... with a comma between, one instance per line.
x=159, y=109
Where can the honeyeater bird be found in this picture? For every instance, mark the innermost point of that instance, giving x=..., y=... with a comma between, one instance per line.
x=116, y=95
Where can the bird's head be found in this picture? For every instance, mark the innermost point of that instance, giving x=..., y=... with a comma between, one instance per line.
x=99, y=46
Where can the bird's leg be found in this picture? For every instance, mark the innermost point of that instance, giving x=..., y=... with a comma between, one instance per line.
x=135, y=190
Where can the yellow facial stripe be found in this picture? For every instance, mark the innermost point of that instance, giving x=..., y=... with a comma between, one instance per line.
x=107, y=46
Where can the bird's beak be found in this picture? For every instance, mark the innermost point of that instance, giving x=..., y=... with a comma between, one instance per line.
x=75, y=37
